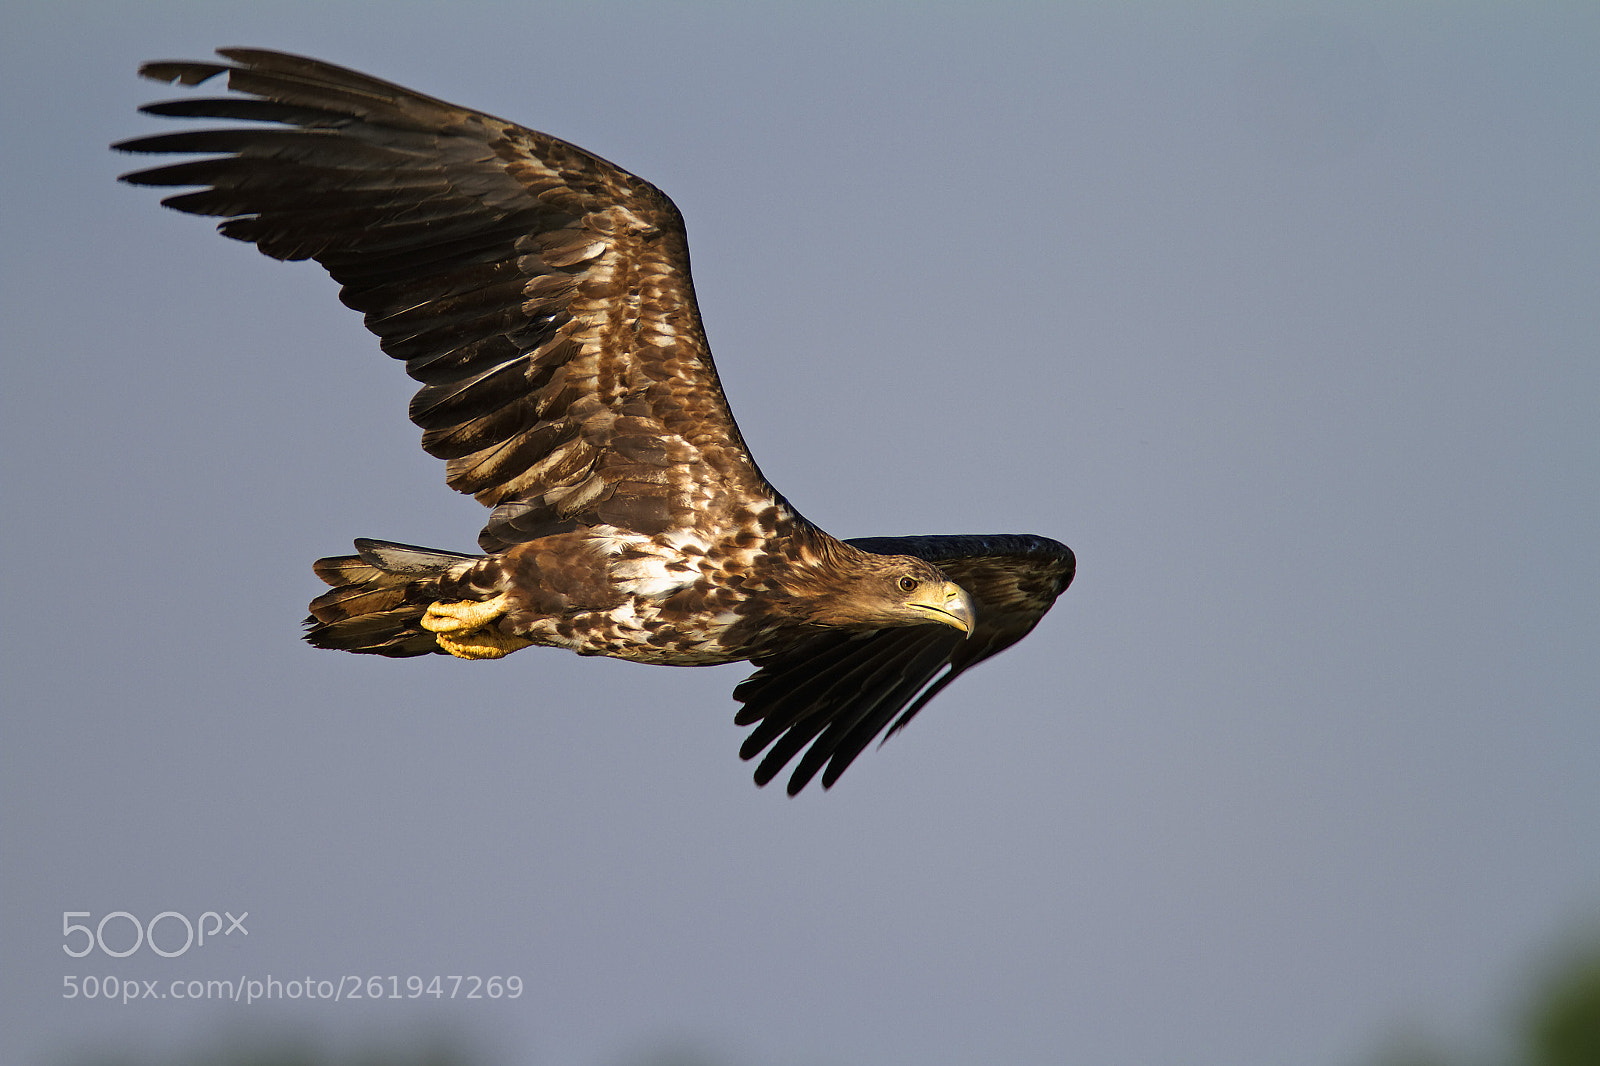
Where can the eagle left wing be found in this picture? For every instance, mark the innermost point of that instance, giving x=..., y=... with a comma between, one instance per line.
x=539, y=293
x=837, y=690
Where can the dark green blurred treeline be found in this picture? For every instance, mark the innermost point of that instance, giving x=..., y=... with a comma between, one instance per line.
x=1559, y=1024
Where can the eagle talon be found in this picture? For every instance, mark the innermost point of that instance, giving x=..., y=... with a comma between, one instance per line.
x=465, y=629
x=462, y=616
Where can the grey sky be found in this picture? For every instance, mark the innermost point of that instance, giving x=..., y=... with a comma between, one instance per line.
x=1287, y=322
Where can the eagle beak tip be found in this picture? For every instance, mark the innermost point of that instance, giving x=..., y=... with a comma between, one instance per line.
x=959, y=606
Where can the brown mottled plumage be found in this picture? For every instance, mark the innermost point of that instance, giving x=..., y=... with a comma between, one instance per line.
x=542, y=297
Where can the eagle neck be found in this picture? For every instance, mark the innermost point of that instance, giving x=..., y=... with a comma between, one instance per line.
x=816, y=566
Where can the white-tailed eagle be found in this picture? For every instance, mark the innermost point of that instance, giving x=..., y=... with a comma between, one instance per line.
x=542, y=297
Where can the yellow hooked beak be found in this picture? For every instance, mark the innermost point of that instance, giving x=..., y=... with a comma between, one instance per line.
x=948, y=604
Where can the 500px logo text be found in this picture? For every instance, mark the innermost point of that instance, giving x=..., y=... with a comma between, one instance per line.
x=144, y=933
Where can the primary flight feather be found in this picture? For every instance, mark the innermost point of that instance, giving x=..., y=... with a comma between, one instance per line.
x=542, y=297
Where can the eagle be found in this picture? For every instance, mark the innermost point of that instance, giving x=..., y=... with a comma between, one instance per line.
x=542, y=297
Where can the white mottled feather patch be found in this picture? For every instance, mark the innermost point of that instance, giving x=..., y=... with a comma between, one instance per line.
x=656, y=567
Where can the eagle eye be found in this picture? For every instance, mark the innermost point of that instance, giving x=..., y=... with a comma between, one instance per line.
x=908, y=584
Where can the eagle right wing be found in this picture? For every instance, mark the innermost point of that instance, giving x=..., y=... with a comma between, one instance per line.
x=838, y=689
x=541, y=294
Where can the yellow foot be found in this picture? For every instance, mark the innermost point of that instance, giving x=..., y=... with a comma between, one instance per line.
x=466, y=629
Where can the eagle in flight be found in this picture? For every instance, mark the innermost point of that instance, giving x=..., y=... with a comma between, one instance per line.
x=542, y=297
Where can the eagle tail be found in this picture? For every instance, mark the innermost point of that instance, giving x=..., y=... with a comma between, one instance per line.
x=379, y=596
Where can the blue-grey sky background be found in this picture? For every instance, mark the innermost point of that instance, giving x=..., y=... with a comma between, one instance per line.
x=1285, y=317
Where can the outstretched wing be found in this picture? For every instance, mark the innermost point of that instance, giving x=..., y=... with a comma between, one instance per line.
x=540, y=294
x=837, y=690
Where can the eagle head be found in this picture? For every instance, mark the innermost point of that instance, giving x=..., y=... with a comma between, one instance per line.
x=868, y=591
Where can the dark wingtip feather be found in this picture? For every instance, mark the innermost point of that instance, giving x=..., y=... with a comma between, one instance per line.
x=184, y=71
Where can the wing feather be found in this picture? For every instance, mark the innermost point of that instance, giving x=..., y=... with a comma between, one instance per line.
x=534, y=289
